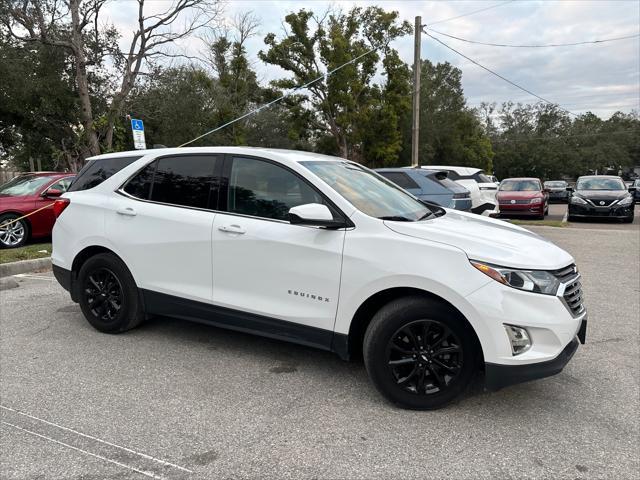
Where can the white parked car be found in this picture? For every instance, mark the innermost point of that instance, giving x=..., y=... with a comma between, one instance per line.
x=483, y=187
x=323, y=252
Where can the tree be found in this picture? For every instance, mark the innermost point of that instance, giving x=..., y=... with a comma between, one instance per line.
x=73, y=25
x=345, y=104
x=450, y=132
x=38, y=107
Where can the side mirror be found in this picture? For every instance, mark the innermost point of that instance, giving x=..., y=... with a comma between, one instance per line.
x=569, y=189
x=52, y=193
x=632, y=189
x=314, y=215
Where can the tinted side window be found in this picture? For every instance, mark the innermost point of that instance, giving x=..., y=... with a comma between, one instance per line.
x=262, y=189
x=140, y=185
x=454, y=175
x=97, y=171
x=401, y=179
x=185, y=180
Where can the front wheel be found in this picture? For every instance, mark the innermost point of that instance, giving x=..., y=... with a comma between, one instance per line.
x=13, y=232
x=109, y=297
x=419, y=354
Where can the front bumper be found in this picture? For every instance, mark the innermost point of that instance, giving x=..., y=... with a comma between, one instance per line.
x=500, y=376
x=603, y=212
x=562, y=196
x=521, y=209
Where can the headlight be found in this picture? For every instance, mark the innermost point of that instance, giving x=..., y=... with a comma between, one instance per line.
x=626, y=201
x=535, y=200
x=537, y=281
x=578, y=200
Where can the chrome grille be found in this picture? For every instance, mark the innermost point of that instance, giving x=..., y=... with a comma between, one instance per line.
x=517, y=202
x=573, y=297
x=565, y=273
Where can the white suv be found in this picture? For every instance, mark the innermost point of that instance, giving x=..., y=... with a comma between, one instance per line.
x=483, y=187
x=320, y=251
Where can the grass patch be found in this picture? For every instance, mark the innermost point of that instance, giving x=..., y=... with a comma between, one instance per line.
x=27, y=252
x=546, y=223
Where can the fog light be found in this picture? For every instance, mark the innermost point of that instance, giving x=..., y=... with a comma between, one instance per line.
x=519, y=338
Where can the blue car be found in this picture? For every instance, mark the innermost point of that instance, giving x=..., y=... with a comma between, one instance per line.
x=430, y=185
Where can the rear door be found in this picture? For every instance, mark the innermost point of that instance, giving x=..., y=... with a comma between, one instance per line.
x=162, y=219
x=263, y=265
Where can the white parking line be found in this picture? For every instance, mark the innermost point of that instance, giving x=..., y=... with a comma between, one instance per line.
x=143, y=455
x=115, y=462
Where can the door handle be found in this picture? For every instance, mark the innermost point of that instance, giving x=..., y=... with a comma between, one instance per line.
x=130, y=212
x=232, y=229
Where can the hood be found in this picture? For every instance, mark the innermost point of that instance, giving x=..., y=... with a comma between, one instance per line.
x=488, y=240
x=520, y=195
x=602, y=194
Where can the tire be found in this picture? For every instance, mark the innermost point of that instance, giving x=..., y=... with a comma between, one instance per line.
x=628, y=220
x=571, y=218
x=15, y=234
x=389, y=327
x=108, y=295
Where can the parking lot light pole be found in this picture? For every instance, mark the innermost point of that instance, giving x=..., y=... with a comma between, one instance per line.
x=415, y=127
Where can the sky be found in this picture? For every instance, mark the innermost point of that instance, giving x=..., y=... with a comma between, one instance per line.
x=601, y=78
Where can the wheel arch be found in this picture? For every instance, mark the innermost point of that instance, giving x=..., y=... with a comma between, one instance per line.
x=365, y=312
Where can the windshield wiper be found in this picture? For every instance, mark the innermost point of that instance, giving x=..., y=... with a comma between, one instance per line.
x=426, y=216
x=396, y=218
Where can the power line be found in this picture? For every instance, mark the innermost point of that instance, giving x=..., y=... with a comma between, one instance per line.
x=300, y=87
x=500, y=76
x=586, y=42
x=282, y=97
x=471, y=13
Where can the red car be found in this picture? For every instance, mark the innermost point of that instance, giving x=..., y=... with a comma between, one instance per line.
x=24, y=194
x=523, y=196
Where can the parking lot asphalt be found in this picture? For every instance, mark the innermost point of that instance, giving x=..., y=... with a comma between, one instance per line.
x=178, y=400
x=558, y=211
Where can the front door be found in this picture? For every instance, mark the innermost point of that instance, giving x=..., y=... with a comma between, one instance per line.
x=262, y=264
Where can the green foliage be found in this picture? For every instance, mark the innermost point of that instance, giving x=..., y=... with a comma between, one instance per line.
x=361, y=117
x=450, y=133
x=38, y=108
x=544, y=141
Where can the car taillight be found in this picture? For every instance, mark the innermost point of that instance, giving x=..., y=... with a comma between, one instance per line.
x=59, y=205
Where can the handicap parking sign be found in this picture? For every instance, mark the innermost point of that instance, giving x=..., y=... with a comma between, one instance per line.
x=137, y=127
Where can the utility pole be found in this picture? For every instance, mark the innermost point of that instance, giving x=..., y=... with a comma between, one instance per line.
x=415, y=126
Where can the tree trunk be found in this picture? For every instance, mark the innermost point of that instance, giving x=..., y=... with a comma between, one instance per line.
x=82, y=82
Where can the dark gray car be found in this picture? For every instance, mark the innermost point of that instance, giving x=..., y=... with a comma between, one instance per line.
x=557, y=190
x=430, y=185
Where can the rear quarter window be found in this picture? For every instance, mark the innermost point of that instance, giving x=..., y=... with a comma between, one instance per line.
x=97, y=171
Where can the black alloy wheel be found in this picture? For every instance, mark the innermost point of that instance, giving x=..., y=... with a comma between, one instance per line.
x=420, y=353
x=103, y=293
x=108, y=295
x=424, y=357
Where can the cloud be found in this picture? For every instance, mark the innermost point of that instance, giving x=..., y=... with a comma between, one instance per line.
x=600, y=78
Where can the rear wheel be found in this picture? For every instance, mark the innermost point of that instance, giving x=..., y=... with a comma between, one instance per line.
x=628, y=220
x=108, y=295
x=13, y=232
x=419, y=354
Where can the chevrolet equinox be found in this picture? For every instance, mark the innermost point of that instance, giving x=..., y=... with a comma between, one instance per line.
x=320, y=251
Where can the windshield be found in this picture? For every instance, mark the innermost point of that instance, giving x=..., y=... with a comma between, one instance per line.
x=520, y=186
x=600, y=184
x=555, y=184
x=482, y=178
x=369, y=192
x=24, y=185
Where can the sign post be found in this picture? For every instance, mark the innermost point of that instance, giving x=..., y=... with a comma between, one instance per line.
x=137, y=127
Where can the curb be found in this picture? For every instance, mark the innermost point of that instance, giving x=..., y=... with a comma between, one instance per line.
x=25, y=266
